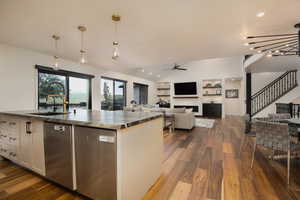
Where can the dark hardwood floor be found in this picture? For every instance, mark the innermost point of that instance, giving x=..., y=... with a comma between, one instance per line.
x=200, y=165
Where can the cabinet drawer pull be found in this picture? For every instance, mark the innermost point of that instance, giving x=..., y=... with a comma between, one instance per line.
x=28, y=127
x=12, y=123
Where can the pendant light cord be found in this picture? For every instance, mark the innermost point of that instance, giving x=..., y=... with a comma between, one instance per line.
x=82, y=40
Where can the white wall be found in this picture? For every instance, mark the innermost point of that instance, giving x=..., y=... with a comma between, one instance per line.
x=234, y=106
x=260, y=80
x=220, y=68
x=18, y=78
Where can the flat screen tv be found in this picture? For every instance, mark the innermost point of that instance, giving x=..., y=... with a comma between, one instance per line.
x=186, y=88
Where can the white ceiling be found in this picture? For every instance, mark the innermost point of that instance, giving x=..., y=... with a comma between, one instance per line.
x=275, y=64
x=153, y=34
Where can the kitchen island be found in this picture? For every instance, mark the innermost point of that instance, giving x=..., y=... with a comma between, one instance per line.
x=100, y=154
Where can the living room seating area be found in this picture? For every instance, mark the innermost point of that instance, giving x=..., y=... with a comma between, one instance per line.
x=183, y=118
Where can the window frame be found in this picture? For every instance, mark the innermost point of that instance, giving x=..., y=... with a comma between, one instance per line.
x=114, y=79
x=67, y=75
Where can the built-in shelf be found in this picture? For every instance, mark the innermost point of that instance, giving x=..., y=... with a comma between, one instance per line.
x=163, y=95
x=212, y=95
x=212, y=87
x=185, y=97
x=164, y=91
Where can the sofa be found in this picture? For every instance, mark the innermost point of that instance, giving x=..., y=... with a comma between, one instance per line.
x=184, y=118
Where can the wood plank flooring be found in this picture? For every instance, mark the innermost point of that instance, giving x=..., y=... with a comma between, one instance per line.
x=203, y=164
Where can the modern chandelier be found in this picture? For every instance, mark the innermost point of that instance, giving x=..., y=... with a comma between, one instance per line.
x=116, y=53
x=83, y=59
x=56, y=58
x=276, y=45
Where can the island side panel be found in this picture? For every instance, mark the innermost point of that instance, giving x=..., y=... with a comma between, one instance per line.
x=139, y=158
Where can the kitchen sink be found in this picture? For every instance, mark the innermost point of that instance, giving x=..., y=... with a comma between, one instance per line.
x=49, y=113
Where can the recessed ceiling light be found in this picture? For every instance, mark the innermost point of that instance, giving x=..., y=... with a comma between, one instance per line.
x=143, y=70
x=150, y=73
x=259, y=51
x=158, y=76
x=260, y=14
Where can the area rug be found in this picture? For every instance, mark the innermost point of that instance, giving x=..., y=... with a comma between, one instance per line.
x=206, y=123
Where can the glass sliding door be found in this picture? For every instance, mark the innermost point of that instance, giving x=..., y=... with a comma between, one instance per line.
x=50, y=84
x=107, y=91
x=78, y=93
x=140, y=92
x=75, y=87
x=113, y=94
x=119, y=95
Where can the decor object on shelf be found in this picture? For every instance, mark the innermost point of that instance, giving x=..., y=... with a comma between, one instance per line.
x=218, y=85
x=208, y=85
x=83, y=59
x=116, y=53
x=218, y=92
x=56, y=57
x=277, y=45
x=232, y=93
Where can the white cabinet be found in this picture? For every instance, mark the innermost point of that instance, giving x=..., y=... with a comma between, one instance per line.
x=22, y=141
x=25, y=149
x=37, y=148
x=9, y=137
x=32, y=153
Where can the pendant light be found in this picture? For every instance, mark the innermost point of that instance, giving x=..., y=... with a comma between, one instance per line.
x=287, y=44
x=116, y=53
x=56, y=58
x=83, y=59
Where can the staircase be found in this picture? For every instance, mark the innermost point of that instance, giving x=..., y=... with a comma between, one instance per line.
x=273, y=91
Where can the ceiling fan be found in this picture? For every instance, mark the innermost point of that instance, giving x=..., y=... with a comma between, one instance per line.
x=179, y=67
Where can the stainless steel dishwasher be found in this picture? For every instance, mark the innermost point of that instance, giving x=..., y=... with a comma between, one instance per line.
x=58, y=154
x=96, y=153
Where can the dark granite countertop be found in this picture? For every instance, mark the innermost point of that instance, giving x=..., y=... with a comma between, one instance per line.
x=99, y=119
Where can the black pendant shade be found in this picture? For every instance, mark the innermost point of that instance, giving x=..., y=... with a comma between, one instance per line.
x=277, y=45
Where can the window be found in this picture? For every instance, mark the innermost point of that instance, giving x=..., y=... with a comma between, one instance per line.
x=75, y=86
x=113, y=93
x=140, y=92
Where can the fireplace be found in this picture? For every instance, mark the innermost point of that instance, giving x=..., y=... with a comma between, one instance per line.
x=195, y=108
